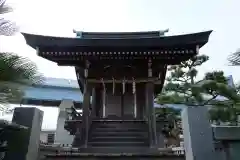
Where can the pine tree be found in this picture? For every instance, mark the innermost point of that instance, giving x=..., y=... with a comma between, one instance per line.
x=182, y=87
x=16, y=73
x=234, y=58
x=7, y=27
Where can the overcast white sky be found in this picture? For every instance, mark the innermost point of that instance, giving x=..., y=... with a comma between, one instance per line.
x=59, y=18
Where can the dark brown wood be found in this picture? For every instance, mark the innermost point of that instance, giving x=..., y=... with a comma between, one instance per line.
x=151, y=113
x=73, y=60
x=122, y=105
x=140, y=89
x=94, y=103
x=81, y=136
x=98, y=102
x=120, y=70
x=87, y=115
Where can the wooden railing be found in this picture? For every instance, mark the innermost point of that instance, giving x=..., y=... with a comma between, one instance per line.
x=72, y=114
x=82, y=132
x=88, y=126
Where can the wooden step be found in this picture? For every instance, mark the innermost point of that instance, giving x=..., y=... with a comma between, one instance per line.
x=118, y=130
x=118, y=121
x=112, y=133
x=134, y=150
x=120, y=126
x=118, y=139
x=115, y=143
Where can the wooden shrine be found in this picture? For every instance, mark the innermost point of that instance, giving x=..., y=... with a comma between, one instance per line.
x=119, y=75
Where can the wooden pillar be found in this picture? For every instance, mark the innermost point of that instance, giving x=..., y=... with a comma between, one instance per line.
x=140, y=100
x=151, y=113
x=94, y=102
x=104, y=103
x=134, y=92
x=122, y=105
x=81, y=136
x=86, y=113
x=135, y=110
x=98, y=97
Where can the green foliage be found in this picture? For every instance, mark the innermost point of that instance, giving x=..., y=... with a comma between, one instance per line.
x=183, y=88
x=16, y=72
x=168, y=98
x=18, y=69
x=227, y=113
x=166, y=111
x=219, y=114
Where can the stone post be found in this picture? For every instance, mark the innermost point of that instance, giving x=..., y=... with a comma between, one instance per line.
x=197, y=134
x=62, y=136
x=26, y=142
x=238, y=119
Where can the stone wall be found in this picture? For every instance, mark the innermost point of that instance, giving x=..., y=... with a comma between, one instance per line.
x=229, y=136
x=200, y=138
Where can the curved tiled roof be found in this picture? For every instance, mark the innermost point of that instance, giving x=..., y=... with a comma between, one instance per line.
x=199, y=38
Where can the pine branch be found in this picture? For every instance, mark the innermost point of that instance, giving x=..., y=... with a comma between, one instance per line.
x=207, y=102
x=234, y=58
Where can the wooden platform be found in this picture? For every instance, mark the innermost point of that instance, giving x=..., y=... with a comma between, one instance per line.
x=114, y=153
x=112, y=157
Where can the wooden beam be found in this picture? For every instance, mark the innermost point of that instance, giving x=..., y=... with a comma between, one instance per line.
x=153, y=80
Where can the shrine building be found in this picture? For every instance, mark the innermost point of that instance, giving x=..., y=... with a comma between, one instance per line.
x=120, y=73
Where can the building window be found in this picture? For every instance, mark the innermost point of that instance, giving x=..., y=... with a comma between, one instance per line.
x=50, y=138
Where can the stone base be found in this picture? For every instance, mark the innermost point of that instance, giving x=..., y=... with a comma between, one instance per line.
x=226, y=133
x=113, y=156
x=139, y=153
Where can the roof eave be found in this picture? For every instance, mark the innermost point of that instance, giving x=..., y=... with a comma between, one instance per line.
x=35, y=41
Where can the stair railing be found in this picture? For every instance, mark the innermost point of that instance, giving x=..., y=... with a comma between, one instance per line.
x=88, y=126
x=85, y=128
x=72, y=114
x=146, y=119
